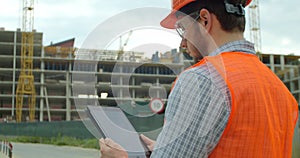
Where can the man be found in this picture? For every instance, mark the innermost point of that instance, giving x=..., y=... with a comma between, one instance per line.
x=229, y=104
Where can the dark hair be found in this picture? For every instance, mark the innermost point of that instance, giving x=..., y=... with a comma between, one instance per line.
x=229, y=21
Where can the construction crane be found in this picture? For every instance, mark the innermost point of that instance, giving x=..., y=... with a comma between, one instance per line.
x=122, y=45
x=26, y=88
x=254, y=24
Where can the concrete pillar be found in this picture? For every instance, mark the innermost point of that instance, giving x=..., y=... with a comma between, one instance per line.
x=133, y=90
x=282, y=63
x=291, y=80
x=42, y=80
x=272, y=66
x=14, y=76
x=68, y=106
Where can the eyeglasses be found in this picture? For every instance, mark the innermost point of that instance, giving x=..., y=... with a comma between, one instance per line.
x=182, y=24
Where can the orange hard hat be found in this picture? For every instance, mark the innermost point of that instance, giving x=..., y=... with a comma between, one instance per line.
x=170, y=20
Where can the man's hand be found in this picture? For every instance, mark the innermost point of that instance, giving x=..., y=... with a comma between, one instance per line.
x=110, y=149
x=149, y=142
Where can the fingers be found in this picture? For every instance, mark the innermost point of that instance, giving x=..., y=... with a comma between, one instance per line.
x=109, y=142
x=103, y=147
x=110, y=149
x=147, y=140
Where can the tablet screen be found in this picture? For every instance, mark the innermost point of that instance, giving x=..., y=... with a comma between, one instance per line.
x=113, y=123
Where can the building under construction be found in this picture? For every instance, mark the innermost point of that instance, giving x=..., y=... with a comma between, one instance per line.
x=136, y=82
x=55, y=69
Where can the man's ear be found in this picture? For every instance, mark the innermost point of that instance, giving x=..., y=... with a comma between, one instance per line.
x=205, y=18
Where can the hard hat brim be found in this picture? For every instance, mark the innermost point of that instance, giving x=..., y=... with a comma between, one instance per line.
x=169, y=21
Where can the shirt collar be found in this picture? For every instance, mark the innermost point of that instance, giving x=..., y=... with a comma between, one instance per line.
x=235, y=46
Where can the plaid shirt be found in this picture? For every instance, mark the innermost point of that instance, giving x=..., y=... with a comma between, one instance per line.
x=198, y=110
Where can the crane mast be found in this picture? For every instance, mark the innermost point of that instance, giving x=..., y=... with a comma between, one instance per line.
x=122, y=45
x=254, y=24
x=25, y=88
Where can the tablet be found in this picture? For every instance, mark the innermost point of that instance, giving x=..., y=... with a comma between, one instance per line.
x=112, y=123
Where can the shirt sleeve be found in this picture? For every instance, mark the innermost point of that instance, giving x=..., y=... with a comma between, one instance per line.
x=196, y=116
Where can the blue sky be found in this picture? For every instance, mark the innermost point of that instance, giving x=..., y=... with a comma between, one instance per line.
x=63, y=19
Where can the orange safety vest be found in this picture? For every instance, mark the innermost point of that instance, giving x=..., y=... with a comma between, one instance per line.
x=263, y=111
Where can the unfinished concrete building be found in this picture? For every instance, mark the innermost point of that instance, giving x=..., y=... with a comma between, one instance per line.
x=134, y=84
x=56, y=65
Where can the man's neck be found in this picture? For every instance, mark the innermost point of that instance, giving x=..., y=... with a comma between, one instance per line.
x=226, y=37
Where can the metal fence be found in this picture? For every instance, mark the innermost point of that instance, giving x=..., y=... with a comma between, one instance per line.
x=46, y=129
x=6, y=149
